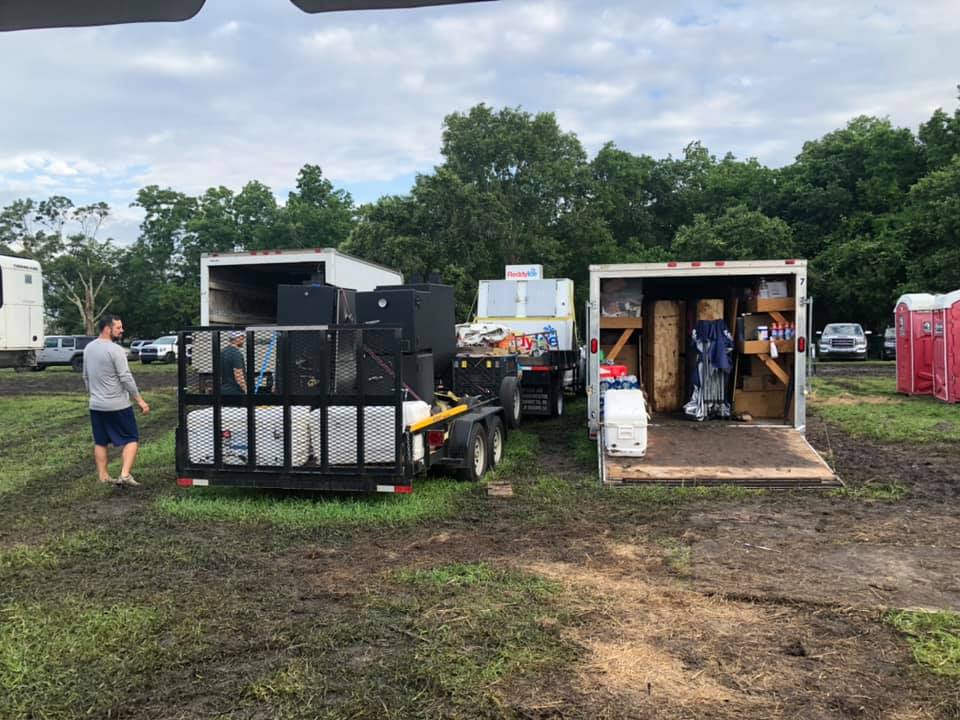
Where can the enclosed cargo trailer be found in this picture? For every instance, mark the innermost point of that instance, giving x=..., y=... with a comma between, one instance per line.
x=637, y=314
x=21, y=312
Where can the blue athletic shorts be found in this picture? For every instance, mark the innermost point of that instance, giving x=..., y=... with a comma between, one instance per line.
x=114, y=427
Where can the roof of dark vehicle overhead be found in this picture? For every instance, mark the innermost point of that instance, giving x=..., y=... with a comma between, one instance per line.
x=33, y=14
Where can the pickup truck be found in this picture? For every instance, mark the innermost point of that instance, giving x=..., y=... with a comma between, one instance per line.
x=163, y=349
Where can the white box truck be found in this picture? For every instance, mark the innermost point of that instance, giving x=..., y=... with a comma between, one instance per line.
x=241, y=288
x=640, y=318
x=21, y=312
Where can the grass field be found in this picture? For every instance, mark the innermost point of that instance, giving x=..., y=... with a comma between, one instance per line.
x=565, y=600
x=870, y=407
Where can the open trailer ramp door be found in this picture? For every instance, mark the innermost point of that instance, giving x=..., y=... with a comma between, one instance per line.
x=688, y=453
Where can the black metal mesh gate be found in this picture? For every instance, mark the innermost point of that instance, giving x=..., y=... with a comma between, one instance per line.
x=268, y=403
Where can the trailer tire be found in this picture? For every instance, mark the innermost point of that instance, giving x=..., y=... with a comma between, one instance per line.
x=476, y=456
x=510, y=401
x=556, y=397
x=496, y=441
x=76, y=363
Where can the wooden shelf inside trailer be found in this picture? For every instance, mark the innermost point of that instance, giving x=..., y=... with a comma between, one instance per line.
x=762, y=347
x=621, y=323
x=755, y=305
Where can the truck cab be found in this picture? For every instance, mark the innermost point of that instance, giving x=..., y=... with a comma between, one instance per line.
x=21, y=312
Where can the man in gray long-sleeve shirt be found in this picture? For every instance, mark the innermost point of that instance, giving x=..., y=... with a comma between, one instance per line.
x=110, y=383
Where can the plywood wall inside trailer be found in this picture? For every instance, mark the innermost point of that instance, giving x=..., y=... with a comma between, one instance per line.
x=662, y=352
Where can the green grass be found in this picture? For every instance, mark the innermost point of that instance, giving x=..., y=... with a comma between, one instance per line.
x=431, y=500
x=869, y=407
x=934, y=638
x=883, y=492
x=74, y=658
x=446, y=641
x=679, y=555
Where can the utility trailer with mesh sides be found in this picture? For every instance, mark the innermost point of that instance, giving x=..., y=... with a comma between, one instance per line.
x=326, y=408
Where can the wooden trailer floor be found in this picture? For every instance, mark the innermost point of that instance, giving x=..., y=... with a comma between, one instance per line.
x=719, y=453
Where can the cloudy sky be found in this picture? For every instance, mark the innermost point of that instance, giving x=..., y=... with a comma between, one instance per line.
x=253, y=89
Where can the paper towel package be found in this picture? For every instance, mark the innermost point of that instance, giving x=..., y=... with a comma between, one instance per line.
x=379, y=432
x=269, y=435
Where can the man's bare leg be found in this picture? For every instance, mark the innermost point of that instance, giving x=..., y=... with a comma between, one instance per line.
x=100, y=457
x=129, y=454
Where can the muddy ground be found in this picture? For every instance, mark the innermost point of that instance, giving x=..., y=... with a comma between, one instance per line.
x=58, y=380
x=767, y=606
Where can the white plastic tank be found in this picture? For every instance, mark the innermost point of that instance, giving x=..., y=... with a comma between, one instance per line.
x=269, y=435
x=625, y=423
x=379, y=432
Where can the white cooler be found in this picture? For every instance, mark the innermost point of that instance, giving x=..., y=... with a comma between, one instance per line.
x=269, y=438
x=379, y=438
x=625, y=423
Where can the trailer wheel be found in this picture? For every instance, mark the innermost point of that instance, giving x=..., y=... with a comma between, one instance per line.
x=477, y=455
x=496, y=441
x=556, y=398
x=77, y=363
x=510, y=401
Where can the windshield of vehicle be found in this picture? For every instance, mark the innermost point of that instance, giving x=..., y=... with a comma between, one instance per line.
x=843, y=330
x=165, y=340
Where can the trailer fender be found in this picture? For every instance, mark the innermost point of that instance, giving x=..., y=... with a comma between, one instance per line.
x=460, y=428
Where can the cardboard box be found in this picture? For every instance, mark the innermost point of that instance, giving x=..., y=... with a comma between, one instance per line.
x=710, y=309
x=772, y=289
x=761, y=404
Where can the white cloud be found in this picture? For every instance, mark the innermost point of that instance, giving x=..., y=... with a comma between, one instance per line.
x=226, y=30
x=100, y=113
x=181, y=64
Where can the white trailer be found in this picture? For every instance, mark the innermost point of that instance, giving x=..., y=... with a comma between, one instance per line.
x=642, y=314
x=21, y=312
x=241, y=288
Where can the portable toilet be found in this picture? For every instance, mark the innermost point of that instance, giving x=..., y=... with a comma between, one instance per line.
x=914, y=322
x=946, y=347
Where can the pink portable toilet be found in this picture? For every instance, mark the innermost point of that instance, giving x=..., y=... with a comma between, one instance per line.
x=946, y=347
x=914, y=321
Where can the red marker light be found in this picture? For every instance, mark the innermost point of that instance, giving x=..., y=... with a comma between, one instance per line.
x=801, y=344
x=594, y=346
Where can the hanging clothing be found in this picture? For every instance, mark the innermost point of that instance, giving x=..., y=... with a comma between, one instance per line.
x=712, y=344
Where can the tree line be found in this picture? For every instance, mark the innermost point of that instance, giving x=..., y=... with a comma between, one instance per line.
x=874, y=207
